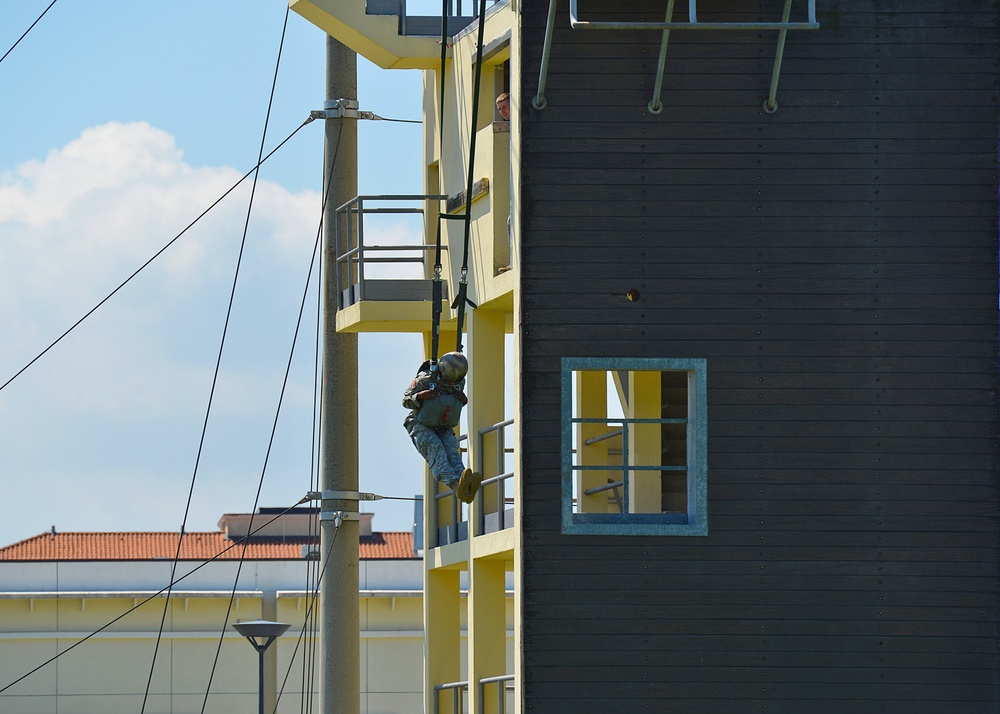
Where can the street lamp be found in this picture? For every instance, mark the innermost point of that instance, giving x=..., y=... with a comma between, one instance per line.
x=256, y=631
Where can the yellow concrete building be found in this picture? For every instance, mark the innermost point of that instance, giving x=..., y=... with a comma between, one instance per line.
x=477, y=543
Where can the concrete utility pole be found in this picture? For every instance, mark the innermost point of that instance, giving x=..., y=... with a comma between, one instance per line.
x=340, y=634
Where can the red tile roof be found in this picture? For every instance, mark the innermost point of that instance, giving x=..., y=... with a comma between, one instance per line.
x=195, y=546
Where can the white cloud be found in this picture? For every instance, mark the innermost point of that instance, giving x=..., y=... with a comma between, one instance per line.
x=97, y=208
x=111, y=156
x=73, y=226
x=108, y=422
x=136, y=374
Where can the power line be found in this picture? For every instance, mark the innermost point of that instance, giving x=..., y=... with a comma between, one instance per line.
x=155, y=595
x=274, y=429
x=27, y=31
x=154, y=257
x=312, y=575
x=401, y=121
x=309, y=660
x=284, y=385
x=309, y=618
x=215, y=377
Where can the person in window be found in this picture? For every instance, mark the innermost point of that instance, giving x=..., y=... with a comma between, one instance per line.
x=503, y=106
x=435, y=400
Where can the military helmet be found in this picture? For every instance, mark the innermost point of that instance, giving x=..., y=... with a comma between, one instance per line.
x=453, y=366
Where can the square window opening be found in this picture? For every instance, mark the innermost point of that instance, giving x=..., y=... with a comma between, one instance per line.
x=634, y=457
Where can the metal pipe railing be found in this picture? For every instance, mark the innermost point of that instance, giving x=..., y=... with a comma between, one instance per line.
x=350, y=242
x=455, y=8
x=771, y=104
x=502, y=690
x=502, y=474
x=612, y=486
x=692, y=23
x=604, y=437
x=456, y=689
x=539, y=101
x=626, y=468
x=456, y=508
x=606, y=487
x=655, y=106
x=456, y=514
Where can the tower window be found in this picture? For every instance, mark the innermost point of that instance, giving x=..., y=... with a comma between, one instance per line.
x=634, y=446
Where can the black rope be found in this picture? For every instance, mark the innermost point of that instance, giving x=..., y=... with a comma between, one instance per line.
x=274, y=426
x=156, y=255
x=461, y=299
x=308, y=625
x=436, y=288
x=308, y=676
x=155, y=595
x=211, y=397
x=288, y=367
x=309, y=660
x=313, y=578
x=27, y=31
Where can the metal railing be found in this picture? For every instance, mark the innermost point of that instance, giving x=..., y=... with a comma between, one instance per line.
x=455, y=8
x=503, y=475
x=500, y=480
x=454, y=504
x=626, y=468
x=615, y=488
x=425, y=20
x=504, y=685
x=457, y=689
x=456, y=514
x=612, y=485
x=655, y=106
x=349, y=231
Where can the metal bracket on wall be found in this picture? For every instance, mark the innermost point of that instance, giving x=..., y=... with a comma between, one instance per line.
x=655, y=106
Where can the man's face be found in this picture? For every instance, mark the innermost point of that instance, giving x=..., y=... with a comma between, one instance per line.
x=503, y=106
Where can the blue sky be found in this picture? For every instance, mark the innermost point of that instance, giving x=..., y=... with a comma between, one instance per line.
x=122, y=122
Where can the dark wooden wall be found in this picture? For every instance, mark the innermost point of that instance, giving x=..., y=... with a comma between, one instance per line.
x=836, y=264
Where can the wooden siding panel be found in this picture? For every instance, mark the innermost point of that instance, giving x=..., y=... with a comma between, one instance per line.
x=836, y=264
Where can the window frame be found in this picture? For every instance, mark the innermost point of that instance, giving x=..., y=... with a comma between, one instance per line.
x=695, y=521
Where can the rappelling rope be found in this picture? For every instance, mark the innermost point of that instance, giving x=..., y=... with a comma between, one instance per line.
x=463, y=284
x=461, y=298
x=436, y=288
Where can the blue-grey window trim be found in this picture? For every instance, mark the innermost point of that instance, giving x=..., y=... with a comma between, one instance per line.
x=677, y=524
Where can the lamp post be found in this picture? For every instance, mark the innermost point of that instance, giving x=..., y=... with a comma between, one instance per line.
x=255, y=632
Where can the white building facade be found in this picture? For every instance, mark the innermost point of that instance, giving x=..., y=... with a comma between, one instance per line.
x=81, y=614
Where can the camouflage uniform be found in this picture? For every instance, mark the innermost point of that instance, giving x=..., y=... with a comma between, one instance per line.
x=436, y=440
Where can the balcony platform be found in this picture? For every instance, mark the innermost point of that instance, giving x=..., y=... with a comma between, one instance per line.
x=391, y=306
